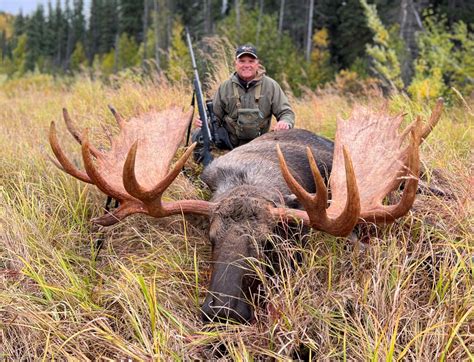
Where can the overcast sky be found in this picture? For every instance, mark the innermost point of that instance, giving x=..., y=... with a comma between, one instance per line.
x=28, y=6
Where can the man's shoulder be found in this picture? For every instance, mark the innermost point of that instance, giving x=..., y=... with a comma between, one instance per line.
x=269, y=80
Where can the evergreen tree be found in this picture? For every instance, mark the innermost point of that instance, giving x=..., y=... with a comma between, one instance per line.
x=78, y=22
x=109, y=26
x=61, y=36
x=35, y=38
x=78, y=57
x=93, y=32
x=347, y=27
x=385, y=63
x=50, y=33
x=3, y=45
x=19, y=25
x=131, y=18
x=70, y=37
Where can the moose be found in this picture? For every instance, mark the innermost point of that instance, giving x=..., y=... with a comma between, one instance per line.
x=284, y=177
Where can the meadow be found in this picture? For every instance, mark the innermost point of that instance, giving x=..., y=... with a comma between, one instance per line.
x=400, y=292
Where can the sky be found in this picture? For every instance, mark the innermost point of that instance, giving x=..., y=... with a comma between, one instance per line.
x=28, y=6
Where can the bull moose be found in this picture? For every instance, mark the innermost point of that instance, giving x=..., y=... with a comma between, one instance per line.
x=276, y=178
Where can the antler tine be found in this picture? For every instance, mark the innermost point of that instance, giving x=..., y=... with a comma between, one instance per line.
x=432, y=122
x=434, y=119
x=118, y=214
x=347, y=219
x=316, y=203
x=95, y=176
x=388, y=214
x=315, y=206
x=117, y=116
x=136, y=190
x=75, y=132
x=67, y=165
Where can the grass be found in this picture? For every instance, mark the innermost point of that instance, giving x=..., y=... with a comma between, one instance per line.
x=403, y=292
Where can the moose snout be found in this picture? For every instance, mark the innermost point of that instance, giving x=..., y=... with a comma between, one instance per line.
x=225, y=299
x=218, y=307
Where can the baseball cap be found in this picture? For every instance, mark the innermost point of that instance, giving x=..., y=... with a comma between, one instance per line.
x=246, y=49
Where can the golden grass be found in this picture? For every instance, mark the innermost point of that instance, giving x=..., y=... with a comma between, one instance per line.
x=405, y=292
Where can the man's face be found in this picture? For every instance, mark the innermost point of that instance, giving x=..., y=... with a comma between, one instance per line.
x=246, y=67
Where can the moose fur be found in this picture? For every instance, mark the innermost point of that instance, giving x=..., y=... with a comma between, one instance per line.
x=245, y=183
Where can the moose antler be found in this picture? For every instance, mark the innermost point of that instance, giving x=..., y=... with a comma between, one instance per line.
x=379, y=161
x=143, y=150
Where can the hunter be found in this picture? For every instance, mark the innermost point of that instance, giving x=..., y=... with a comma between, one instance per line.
x=245, y=103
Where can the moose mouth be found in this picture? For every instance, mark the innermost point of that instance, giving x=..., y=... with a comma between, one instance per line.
x=225, y=308
x=227, y=298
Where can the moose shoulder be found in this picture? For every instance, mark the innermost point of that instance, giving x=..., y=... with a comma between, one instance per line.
x=277, y=178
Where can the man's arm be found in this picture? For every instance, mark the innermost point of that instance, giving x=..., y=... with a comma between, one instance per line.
x=217, y=105
x=281, y=109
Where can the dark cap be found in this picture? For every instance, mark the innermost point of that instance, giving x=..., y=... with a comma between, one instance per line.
x=246, y=49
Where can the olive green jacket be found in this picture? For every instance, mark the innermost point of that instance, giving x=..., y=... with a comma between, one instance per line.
x=272, y=101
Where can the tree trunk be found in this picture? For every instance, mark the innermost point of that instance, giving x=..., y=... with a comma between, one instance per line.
x=410, y=24
x=116, y=53
x=157, y=33
x=309, y=33
x=145, y=31
x=169, y=29
x=224, y=7
x=207, y=17
x=259, y=23
x=282, y=14
x=237, y=18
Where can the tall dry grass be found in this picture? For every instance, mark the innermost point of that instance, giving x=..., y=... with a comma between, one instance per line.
x=402, y=292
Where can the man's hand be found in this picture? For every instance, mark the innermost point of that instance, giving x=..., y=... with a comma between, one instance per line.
x=197, y=122
x=281, y=125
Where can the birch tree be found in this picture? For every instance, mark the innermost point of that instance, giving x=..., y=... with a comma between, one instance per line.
x=309, y=33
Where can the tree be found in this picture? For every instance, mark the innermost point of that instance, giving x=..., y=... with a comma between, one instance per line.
x=35, y=38
x=180, y=63
x=131, y=18
x=78, y=57
x=309, y=33
x=93, y=32
x=445, y=60
x=108, y=25
x=19, y=56
x=145, y=31
x=383, y=57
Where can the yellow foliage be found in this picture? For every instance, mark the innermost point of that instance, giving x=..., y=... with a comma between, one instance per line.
x=43, y=83
x=180, y=62
x=427, y=88
x=6, y=24
x=321, y=38
x=108, y=62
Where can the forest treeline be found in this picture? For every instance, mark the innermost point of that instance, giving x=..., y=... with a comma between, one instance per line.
x=425, y=48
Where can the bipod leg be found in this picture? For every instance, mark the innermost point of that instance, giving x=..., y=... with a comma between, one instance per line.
x=99, y=243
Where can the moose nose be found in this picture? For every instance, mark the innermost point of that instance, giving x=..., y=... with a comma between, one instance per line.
x=225, y=308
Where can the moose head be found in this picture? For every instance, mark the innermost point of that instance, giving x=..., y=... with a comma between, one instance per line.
x=277, y=178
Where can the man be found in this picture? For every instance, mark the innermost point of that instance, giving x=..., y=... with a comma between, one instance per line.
x=245, y=103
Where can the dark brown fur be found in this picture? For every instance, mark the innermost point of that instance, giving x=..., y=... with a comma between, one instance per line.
x=245, y=183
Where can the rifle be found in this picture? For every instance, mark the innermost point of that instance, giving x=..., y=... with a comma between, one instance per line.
x=205, y=155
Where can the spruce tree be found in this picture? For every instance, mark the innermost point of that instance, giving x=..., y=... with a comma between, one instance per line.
x=108, y=25
x=93, y=32
x=35, y=38
x=78, y=22
x=131, y=18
